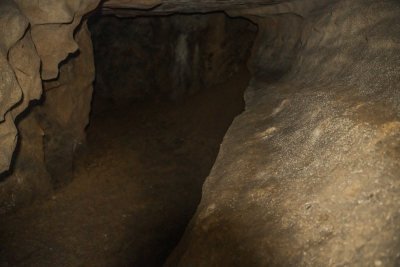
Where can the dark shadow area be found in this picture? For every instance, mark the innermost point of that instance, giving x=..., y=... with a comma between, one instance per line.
x=151, y=161
x=166, y=91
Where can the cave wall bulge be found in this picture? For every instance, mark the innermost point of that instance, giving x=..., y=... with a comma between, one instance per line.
x=311, y=169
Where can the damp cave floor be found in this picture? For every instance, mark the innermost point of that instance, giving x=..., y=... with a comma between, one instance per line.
x=135, y=188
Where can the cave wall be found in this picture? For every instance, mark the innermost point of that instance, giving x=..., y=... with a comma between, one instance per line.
x=167, y=56
x=311, y=168
x=64, y=113
x=307, y=175
x=36, y=37
x=20, y=83
x=11, y=91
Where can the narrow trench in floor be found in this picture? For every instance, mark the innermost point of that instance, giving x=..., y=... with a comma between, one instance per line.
x=159, y=120
x=167, y=89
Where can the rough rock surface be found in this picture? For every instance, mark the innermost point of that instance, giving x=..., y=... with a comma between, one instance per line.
x=262, y=8
x=308, y=175
x=52, y=25
x=30, y=52
x=28, y=180
x=65, y=111
x=10, y=90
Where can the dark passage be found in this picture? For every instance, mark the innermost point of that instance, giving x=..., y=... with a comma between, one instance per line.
x=166, y=91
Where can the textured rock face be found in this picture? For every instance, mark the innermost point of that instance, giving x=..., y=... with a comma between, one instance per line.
x=54, y=18
x=153, y=57
x=10, y=90
x=65, y=111
x=134, y=7
x=29, y=179
x=30, y=42
x=308, y=175
x=20, y=83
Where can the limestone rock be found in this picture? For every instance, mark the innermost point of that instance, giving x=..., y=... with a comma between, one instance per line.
x=308, y=174
x=28, y=180
x=65, y=113
x=52, y=26
x=50, y=36
x=8, y=141
x=13, y=25
x=25, y=62
x=48, y=11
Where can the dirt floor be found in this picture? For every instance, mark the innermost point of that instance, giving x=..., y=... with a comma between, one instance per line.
x=136, y=186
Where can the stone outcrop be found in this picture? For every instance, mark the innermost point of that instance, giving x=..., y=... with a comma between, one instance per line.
x=308, y=175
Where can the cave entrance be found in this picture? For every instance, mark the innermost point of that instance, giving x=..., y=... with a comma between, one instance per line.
x=167, y=88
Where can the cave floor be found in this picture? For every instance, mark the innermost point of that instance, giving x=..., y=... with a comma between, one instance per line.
x=136, y=186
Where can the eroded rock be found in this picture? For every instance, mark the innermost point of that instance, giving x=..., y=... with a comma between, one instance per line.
x=65, y=113
x=13, y=25
x=24, y=50
x=308, y=174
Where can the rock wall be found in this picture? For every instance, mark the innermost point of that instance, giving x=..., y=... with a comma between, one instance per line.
x=35, y=38
x=11, y=91
x=21, y=83
x=308, y=175
x=65, y=112
x=169, y=56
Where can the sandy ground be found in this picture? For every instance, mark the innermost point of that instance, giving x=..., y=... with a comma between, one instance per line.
x=136, y=186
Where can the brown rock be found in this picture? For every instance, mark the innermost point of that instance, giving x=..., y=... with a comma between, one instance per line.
x=301, y=179
x=65, y=113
